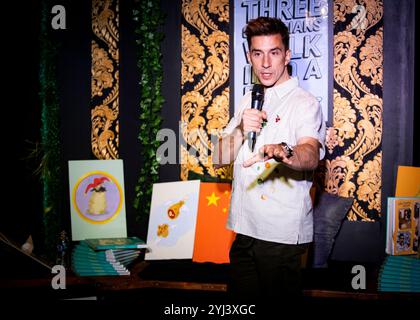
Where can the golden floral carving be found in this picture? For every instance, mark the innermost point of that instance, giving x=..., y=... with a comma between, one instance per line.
x=104, y=141
x=345, y=64
x=105, y=24
x=357, y=213
x=366, y=13
x=102, y=70
x=220, y=8
x=192, y=105
x=374, y=12
x=331, y=139
x=205, y=108
x=217, y=63
x=371, y=56
x=369, y=127
x=192, y=56
x=190, y=163
x=369, y=183
x=105, y=80
x=342, y=8
x=356, y=134
x=194, y=12
x=218, y=113
x=340, y=169
x=359, y=21
x=344, y=118
x=193, y=131
x=225, y=172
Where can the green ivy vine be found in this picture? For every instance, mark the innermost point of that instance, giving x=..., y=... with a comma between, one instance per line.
x=50, y=168
x=149, y=18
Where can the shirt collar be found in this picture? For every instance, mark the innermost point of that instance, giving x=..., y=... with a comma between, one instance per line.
x=283, y=88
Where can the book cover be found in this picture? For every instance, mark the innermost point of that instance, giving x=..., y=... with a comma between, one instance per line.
x=82, y=254
x=96, y=273
x=83, y=247
x=402, y=259
x=402, y=225
x=126, y=261
x=410, y=260
x=104, y=260
x=94, y=262
x=104, y=257
x=398, y=273
x=399, y=287
x=414, y=274
x=401, y=264
x=116, y=243
x=97, y=203
x=399, y=279
x=212, y=239
x=97, y=266
x=101, y=274
x=112, y=253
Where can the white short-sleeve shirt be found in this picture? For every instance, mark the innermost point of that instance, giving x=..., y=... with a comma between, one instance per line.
x=271, y=201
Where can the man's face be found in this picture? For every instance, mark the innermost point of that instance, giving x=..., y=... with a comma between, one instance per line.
x=269, y=59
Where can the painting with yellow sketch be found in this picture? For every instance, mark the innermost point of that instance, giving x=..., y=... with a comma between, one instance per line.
x=172, y=222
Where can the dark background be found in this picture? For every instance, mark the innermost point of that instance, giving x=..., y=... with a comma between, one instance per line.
x=22, y=110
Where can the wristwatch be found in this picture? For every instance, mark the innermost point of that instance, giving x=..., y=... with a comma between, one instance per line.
x=287, y=149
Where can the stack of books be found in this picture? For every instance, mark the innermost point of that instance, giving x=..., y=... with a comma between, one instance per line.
x=400, y=274
x=106, y=257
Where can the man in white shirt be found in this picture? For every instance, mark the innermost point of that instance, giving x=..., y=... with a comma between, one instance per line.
x=271, y=208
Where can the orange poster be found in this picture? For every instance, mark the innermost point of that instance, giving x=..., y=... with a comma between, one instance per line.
x=212, y=239
x=408, y=182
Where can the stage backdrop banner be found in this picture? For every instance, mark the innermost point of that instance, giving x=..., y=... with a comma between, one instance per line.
x=308, y=26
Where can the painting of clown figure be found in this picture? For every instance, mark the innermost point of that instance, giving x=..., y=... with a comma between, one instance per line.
x=97, y=199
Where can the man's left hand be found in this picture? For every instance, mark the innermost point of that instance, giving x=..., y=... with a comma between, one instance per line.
x=266, y=152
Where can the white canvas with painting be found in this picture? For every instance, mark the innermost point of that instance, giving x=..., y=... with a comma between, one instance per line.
x=172, y=223
x=97, y=201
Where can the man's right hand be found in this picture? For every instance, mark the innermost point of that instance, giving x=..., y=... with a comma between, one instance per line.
x=252, y=120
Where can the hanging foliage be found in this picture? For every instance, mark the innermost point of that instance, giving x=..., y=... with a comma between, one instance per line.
x=51, y=165
x=149, y=18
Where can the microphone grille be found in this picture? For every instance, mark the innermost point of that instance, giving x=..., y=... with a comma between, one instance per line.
x=257, y=91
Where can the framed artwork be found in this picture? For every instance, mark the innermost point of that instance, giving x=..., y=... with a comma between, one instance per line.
x=172, y=222
x=97, y=202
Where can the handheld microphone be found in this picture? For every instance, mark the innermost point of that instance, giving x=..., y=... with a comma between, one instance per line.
x=256, y=103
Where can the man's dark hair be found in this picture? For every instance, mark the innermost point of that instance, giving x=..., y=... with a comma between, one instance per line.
x=264, y=26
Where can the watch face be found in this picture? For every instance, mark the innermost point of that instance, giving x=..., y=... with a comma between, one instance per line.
x=287, y=149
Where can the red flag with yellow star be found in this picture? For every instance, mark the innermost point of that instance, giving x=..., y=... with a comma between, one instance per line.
x=212, y=239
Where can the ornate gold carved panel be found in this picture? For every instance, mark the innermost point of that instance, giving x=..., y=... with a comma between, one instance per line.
x=105, y=79
x=354, y=152
x=204, y=82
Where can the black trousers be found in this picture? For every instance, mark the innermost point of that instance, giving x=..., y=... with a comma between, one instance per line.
x=265, y=269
